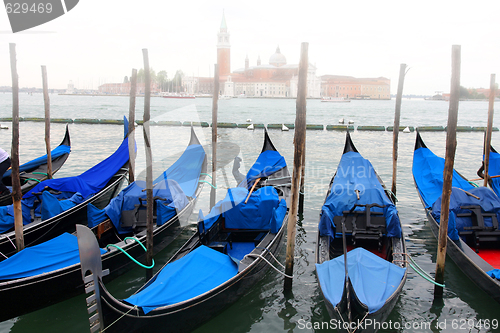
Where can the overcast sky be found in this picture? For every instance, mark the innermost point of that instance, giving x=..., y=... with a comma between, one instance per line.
x=102, y=40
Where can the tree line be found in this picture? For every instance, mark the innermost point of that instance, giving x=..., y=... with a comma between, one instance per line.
x=161, y=78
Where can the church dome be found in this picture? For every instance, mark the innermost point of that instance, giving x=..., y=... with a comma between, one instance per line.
x=277, y=59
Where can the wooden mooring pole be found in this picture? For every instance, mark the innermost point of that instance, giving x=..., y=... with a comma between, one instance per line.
x=149, y=165
x=215, y=100
x=131, y=127
x=395, y=130
x=16, y=182
x=451, y=145
x=298, y=160
x=46, y=103
x=487, y=139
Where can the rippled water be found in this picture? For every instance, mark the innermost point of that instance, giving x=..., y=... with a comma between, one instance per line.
x=266, y=308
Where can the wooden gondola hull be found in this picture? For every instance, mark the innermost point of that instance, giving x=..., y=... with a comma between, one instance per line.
x=41, y=231
x=374, y=319
x=468, y=262
x=185, y=316
x=50, y=288
x=30, y=178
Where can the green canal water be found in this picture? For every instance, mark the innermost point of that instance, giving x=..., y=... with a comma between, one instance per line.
x=266, y=308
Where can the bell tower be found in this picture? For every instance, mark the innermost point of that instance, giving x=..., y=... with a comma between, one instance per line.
x=223, y=49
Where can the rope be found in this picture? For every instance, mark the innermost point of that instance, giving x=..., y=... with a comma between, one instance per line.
x=40, y=173
x=4, y=255
x=204, y=181
x=271, y=254
x=128, y=255
x=123, y=315
x=419, y=270
x=206, y=174
x=393, y=195
x=473, y=184
x=38, y=180
x=277, y=270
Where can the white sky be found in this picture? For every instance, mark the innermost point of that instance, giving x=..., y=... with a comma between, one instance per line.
x=102, y=40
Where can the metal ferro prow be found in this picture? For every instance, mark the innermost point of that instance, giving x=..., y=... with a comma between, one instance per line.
x=90, y=260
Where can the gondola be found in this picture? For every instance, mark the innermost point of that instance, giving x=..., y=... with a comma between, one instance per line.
x=359, y=218
x=50, y=272
x=228, y=254
x=55, y=206
x=473, y=233
x=493, y=171
x=35, y=171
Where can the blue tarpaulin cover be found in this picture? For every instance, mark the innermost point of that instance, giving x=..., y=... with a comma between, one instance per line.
x=494, y=273
x=194, y=274
x=489, y=202
x=257, y=213
x=494, y=170
x=374, y=279
x=49, y=256
x=87, y=184
x=174, y=185
x=268, y=162
x=428, y=174
x=55, y=153
x=356, y=173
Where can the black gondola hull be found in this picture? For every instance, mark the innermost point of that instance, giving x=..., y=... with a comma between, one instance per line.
x=468, y=264
x=30, y=178
x=41, y=231
x=30, y=294
x=186, y=316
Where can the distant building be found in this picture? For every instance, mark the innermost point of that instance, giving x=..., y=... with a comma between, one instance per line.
x=124, y=88
x=278, y=79
x=355, y=88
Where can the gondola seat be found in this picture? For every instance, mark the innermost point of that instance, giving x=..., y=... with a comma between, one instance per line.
x=479, y=231
x=363, y=225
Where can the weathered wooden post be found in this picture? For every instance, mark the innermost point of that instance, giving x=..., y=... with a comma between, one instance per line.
x=487, y=143
x=131, y=127
x=299, y=147
x=46, y=103
x=395, y=130
x=16, y=182
x=302, y=182
x=451, y=145
x=149, y=165
x=215, y=99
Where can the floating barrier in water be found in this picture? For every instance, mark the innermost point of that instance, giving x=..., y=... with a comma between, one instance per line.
x=166, y=123
x=339, y=127
x=401, y=128
x=86, y=121
x=227, y=125
x=483, y=129
x=315, y=127
x=430, y=128
x=371, y=128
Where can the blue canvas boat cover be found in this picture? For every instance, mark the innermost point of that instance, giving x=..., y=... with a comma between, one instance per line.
x=171, y=189
x=55, y=153
x=194, y=274
x=256, y=214
x=49, y=256
x=494, y=273
x=268, y=162
x=374, y=279
x=428, y=174
x=356, y=173
x=87, y=184
x=489, y=202
x=494, y=170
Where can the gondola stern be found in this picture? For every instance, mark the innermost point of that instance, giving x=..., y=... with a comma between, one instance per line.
x=349, y=145
x=268, y=144
x=419, y=143
x=66, y=140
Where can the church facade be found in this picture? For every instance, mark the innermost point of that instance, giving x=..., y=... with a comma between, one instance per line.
x=278, y=79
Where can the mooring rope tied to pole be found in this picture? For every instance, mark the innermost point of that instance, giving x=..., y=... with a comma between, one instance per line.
x=419, y=270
